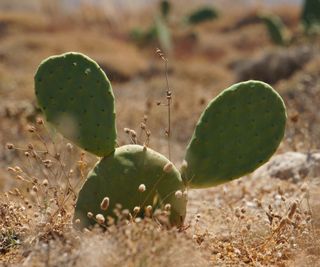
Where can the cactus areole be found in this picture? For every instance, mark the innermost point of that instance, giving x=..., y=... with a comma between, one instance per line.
x=238, y=131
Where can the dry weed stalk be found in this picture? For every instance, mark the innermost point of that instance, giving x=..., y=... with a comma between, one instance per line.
x=169, y=99
x=47, y=184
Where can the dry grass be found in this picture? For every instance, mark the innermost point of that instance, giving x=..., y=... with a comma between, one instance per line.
x=255, y=222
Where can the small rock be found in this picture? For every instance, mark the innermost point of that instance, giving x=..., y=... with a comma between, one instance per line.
x=291, y=166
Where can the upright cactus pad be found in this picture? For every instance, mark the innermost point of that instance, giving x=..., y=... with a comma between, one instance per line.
x=239, y=131
x=118, y=177
x=201, y=15
x=311, y=13
x=76, y=97
x=277, y=30
x=165, y=8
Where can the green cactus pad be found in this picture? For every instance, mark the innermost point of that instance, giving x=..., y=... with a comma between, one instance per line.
x=76, y=97
x=118, y=177
x=239, y=131
x=311, y=14
x=201, y=15
x=277, y=30
x=165, y=8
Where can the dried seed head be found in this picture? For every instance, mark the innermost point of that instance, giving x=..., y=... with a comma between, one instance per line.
x=18, y=169
x=126, y=130
x=133, y=133
x=69, y=146
x=184, y=165
x=168, y=167
x=100, y=218
x=35, y=189
x=10, y=169
x=142, y=188
x=149, y=209
x=125, y=212
x=105, y=203
x=178, y=194
x=293, y=209
x=167, y=207
x=143, y=126
x=39, y=121
x=30, y=146
x=77, y=221
x=237, y=212
x=118, y=206
x=185, y=194
x=10, y=146
x=136, y=209
x=27, y=154
x=31, y=129
x=304, y=187
x=90, y=215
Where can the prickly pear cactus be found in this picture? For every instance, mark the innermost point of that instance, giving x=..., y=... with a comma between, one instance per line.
x=77, y=99
x=118, y=177
x=238, y=132
x=202, y=15
x=165, y=8
x=311, y=13
x=276, y=29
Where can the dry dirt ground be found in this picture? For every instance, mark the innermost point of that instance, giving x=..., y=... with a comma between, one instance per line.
x=258, y=220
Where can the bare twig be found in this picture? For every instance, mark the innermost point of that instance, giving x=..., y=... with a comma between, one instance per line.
x=169, y=100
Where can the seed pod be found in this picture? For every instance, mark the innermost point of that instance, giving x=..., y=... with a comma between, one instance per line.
x=149, y=210
x=168, y=167
x=100, y=218
x=178, y=194
x=105, y=203
x=136, y=209
x=142, y=188
x=10, y=146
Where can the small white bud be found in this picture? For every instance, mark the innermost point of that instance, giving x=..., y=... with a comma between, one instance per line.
x=100, y=218
x=142, y=188
x=185, y=194
x=149, y=210
x=105, y=203
x=178, y=194
x=136, y=209
x=168, y=167
x=184, y=165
